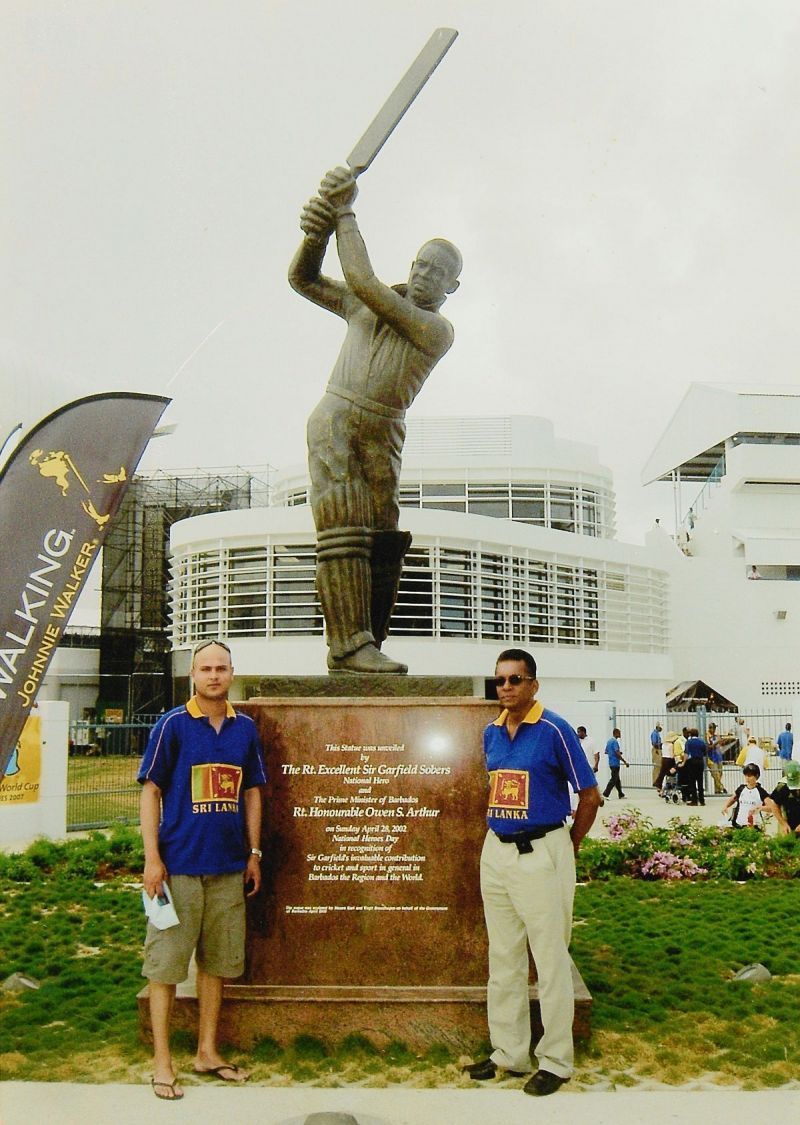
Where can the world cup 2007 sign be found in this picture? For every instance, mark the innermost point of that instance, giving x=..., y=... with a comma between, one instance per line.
x=59, y=493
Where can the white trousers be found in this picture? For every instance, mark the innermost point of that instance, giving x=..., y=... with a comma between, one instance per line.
x=527, y=900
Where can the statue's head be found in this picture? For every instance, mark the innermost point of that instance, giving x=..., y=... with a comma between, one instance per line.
x=434, y=273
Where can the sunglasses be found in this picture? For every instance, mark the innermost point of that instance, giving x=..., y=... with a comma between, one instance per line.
x=514, y=680
x=205, y=644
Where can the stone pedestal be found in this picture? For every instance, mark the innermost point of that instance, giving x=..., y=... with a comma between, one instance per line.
x=370, y=918
x=341, y=685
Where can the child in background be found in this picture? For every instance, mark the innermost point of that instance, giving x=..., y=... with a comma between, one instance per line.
x=747, y=800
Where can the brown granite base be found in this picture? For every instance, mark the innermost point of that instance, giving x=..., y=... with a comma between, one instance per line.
x=418, y=1017
x=343, y=685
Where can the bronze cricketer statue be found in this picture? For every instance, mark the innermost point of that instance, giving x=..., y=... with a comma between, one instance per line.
x=395, y=336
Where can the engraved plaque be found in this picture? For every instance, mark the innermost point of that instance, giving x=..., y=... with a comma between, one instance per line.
x=374, y=821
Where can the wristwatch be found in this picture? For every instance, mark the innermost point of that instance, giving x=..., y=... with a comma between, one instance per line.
x=256, y=851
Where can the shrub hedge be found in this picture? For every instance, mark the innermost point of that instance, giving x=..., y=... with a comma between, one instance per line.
x=686, y=850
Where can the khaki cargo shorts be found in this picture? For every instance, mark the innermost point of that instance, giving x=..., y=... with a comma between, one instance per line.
x=211, y=914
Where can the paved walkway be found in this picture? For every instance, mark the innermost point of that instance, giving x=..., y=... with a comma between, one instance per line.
x=23, y=1103
x=661, y=812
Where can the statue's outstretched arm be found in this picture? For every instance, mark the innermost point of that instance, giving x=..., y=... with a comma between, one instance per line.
x=317, y=221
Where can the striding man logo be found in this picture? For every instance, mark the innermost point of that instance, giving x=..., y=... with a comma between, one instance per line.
x=509, y=789
x=58, y=466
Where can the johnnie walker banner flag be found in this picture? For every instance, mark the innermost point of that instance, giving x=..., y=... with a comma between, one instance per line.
x=59, y=492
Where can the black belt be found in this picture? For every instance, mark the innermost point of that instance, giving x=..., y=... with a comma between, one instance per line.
x=523, y=839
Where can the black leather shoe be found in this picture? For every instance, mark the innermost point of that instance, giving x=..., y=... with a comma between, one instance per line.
x=542, y=1083
x=480, y=1071
x=486, y=1069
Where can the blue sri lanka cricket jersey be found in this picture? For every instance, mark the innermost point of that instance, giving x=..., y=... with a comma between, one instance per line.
x=202, y=776
x=530, y=775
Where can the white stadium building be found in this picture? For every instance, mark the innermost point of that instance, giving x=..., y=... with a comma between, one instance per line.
x=514, y=544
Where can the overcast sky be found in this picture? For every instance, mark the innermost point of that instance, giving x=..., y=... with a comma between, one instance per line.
x=621, y=176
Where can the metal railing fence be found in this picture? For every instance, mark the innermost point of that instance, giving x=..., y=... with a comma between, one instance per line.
x=104, y=759
x=101, y=773
x=636, y=726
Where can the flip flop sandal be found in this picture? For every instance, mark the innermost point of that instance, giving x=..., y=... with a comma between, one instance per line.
x=174, y=1097
x=216, y=1072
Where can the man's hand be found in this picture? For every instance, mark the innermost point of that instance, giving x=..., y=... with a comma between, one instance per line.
x=252, y=874
x=339, y=188
x=155, y=873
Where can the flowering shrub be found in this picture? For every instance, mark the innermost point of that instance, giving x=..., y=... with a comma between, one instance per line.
x=686, y=850
x=622, y=824
x=667, y=865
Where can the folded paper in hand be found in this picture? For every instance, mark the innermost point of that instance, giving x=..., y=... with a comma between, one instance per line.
x=159, y=909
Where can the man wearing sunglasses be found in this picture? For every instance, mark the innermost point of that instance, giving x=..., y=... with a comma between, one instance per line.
x=533, y=757
x=201, y=829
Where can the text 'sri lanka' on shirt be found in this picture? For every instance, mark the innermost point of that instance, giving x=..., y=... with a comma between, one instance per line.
x=530, y=775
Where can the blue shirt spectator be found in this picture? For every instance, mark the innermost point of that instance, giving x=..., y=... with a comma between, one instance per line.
x=695, y=747
x=785, y=742
x=613, y=752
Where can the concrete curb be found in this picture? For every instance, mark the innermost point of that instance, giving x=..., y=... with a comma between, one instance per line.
x=73, y=1104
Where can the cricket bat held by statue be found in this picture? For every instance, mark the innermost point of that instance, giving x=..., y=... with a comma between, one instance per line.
x=400, y=99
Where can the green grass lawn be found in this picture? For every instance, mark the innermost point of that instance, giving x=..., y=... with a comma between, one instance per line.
x=657, y=957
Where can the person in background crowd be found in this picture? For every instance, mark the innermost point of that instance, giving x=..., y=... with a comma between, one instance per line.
x=682, y=763
x=592, y=757
x=667, y=757
x=680, y=745
x=753, y=754
x=785, y=741
x=655, y=752
x=715, y=759
x=614, y=755
x=784, y=800
x=747, y=800
x=695, y=767
x=589, y=748
x=742, y=732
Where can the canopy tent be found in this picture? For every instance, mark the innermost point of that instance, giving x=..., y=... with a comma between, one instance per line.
x=691, y=694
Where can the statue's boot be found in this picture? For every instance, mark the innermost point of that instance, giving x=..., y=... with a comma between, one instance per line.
x=368, y=658
x=388, y=551
x=343, y=584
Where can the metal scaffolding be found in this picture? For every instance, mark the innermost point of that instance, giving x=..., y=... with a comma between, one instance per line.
x=135, y=671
